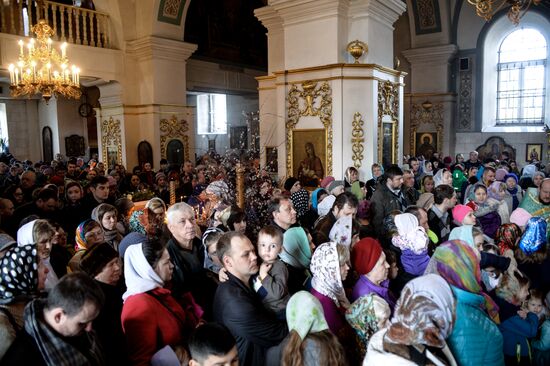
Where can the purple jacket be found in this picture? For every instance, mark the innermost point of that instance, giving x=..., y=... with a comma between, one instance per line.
x=364, y=287
x=334, y=318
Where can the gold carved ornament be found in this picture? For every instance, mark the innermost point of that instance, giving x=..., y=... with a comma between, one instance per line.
x=357, y=138
x=173, y=129
x=111, y=136
x=388, y=105
x=310, y=94
x=423, y=114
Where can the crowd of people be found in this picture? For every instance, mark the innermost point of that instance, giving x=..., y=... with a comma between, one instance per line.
x=427, y=263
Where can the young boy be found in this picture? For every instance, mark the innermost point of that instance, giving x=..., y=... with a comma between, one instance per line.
x=271, y=282
x=212, y=344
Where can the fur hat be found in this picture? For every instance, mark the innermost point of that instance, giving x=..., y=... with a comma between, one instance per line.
x=6, y=242
x=95, y=259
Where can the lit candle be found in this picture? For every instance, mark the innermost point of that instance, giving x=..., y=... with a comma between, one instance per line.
x=63, y=49
x=12, y=73
x=33, y=64
x=16, y=76
x=78, y=76
x=21, y=47
x=49, y=44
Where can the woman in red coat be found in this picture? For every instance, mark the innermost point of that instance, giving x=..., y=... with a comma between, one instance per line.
x=151, y=317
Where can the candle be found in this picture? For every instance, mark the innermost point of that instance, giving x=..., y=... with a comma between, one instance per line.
x=12, y=73
x=63, y=49
x=20, y=47
x=16, y=76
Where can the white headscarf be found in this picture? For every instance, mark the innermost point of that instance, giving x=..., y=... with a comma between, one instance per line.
x=325, y=206
x=411, y=235
x=341, y=231
x=25, y=237
x=325, y=267
x=25, y=234
x=139, y=275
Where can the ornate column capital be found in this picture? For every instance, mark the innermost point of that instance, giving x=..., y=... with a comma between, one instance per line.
x=150, y=47
x=436, y=55
x=385, y=11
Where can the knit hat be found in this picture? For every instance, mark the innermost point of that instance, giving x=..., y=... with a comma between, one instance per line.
x=94, y=260
x=426, y=200
x=511, y=175
x=130, y=239
x=501, y=174
x=520, y=217
x=289, y=183
x=334, y=184
x=6, y=242
x=365, y=254
x=160, y=175
x=326, y=181
x=460, y=212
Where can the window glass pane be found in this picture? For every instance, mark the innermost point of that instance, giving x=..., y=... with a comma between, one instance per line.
x=211, y=114
x=523, y=45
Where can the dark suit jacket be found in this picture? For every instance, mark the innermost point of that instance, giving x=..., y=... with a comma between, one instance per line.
x=240, y=309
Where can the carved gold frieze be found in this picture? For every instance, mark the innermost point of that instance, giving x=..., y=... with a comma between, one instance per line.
x=426, y=117
x=388, y=120
x=309, y=99
x=173, y=129
x=111, y=142
x=357, y=139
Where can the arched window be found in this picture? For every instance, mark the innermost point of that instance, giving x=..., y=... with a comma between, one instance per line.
x=521, y=82
x=513, y=92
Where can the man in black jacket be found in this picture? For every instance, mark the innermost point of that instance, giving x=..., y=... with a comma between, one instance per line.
x=439, y=217
x=237, y=306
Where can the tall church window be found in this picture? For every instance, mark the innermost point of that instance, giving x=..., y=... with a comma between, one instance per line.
x=211, y=114
x=521, y=84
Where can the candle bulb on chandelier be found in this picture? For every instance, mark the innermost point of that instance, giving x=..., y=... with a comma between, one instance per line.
x=63, y=50
x=12, y=74
x=20, y=47
x=16, y=76
x=33, y=64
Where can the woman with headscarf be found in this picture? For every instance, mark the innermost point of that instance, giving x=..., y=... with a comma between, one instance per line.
x=88, y=234
x=507, y=237
x=412, y=242
x=330, y=266
x=151, y=317
x=102, y=263
x=310, y=342
x=150, y=220
x=476, y=339
x=296, y=255
x=40, y=233
x=23, y=278
x=106, y=215
x=423, y=320
x=369, y=261
x=366, y=316
x=514, y=190
x=532, y=254
x=527, y=174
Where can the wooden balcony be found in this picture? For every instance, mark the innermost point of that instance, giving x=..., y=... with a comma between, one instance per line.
x=71, y=24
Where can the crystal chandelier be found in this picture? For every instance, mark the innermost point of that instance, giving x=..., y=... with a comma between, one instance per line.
x=42, y=70
x=487, y=8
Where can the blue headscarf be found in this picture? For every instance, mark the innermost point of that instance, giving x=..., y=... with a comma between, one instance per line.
x=534, y=236
x=315, y=197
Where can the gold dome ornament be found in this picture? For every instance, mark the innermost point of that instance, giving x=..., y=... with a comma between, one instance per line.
x=357, y=49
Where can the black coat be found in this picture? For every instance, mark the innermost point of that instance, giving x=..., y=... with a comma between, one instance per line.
x=23, y=351
x=240, y=309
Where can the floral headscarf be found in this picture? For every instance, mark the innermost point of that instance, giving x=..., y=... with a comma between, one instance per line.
x=296, y=250
x=80, y=237
x=325, y=267
x=424, y=314
x=534, y=236
x=19, y=275
x=304, y=314
x=458, y=264
x=364, y=316
x=494, y=190
x=341, y=231
x=507, y=236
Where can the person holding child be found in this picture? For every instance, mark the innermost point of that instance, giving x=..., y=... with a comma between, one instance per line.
x=271, y=282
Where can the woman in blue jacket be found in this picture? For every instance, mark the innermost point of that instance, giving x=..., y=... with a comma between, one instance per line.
x=476, y=339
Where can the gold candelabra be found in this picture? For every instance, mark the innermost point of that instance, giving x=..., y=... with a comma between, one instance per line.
x=42, y=70
x=487, y=8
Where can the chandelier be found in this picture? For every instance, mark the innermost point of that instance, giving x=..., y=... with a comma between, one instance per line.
x=42, y=70
x=487, y=8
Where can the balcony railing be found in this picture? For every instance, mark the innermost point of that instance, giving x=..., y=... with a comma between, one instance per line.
x=71, y=24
